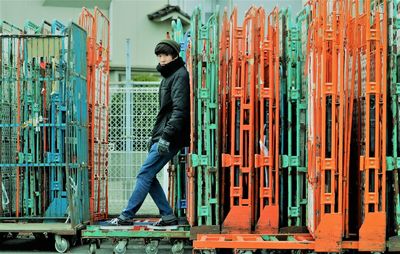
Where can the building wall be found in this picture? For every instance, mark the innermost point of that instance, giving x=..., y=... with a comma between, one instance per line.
x=129, y=20
x=18, y=11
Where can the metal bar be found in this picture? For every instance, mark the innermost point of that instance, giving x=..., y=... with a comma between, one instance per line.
x=224, y=116
x=191, y=67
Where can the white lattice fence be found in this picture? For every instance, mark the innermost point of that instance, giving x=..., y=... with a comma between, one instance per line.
x=132, y=114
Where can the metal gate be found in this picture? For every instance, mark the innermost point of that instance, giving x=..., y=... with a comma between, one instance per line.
x=132, y=114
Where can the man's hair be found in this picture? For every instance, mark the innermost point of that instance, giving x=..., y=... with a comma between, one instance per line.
x=163, y=48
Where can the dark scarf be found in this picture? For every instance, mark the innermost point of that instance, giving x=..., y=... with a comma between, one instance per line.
x=168, y=69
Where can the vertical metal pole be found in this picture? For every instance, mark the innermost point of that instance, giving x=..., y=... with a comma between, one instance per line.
x=128, y=120
x=128, y=84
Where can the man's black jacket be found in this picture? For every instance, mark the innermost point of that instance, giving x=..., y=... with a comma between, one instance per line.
x=173, y=119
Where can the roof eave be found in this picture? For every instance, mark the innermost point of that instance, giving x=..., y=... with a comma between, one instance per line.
x=173, y=15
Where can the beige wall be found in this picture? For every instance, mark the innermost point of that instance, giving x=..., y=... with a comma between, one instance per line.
x=17, y=11
x=129, y=20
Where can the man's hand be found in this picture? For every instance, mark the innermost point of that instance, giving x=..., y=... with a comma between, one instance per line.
x=163, y=147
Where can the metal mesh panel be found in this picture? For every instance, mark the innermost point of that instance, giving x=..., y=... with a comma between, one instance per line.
x=132, y=116
x=42, y=117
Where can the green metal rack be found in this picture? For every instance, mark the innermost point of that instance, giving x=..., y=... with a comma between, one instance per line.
x=205, y=158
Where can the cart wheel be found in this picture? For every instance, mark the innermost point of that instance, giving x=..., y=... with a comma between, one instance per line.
x=98, y=242
x=152, y=247
x=61, y=244
x=75, y=240
x=92, y=248
x=213, y=251
x=275, y=252
x=120, y=248
x=245, y=252
x=177, y=248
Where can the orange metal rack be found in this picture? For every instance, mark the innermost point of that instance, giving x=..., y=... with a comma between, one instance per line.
x=97, y=26
x=240, y=160
x=267, y=159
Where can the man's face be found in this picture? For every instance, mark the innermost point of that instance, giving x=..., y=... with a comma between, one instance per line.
x=164, y=59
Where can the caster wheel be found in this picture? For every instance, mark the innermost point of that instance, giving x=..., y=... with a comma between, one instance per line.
x=177, y=248
x=92, y=248
x=152, y=247
x=120, y=248
x=208, y=252
x=75, y=241
x=61, y=244
x=98, y=242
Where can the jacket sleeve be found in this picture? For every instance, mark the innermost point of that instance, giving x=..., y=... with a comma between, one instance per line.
x=180, y=95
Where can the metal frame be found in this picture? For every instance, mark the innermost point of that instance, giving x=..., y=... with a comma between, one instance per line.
x=204, y=158
x=393, y=153
x=98, y=43
x=47, y=128
x=240, y=160
x=267, y=158
x=373, y=160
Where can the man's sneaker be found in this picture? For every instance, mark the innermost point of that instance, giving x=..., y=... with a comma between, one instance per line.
x=162, y=224
x=118, y=222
